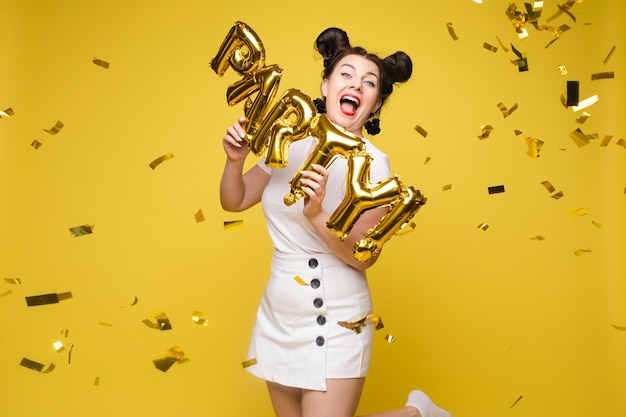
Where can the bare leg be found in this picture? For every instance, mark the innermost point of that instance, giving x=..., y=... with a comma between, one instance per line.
x=287, y=401
x=340, y=399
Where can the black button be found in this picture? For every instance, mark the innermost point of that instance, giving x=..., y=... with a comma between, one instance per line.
x=315, y=283
x=313, y=263
x=318, y=302
x=321, y=320
x=319, y=341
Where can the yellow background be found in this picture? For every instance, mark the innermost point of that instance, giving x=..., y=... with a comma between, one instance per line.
x=481, y=318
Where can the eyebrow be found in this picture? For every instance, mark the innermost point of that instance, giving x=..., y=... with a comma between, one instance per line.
x=352, y=66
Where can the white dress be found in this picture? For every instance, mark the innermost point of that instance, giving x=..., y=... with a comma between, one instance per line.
x=296, y=340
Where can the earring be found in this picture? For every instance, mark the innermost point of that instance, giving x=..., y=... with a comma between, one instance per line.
x=373, y=126
x=320, y=105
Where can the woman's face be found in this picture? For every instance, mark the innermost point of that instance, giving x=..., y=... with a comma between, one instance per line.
x=351, y=92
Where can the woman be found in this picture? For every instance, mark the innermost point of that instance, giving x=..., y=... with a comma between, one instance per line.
x=313, y=366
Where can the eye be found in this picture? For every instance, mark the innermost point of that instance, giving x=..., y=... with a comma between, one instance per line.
x=345, y=75
x=370, y=83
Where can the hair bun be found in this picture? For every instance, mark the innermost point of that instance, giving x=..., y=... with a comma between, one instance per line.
x=330, y=42
x=400, y=66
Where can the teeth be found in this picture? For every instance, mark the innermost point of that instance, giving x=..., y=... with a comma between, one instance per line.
x=350, y=100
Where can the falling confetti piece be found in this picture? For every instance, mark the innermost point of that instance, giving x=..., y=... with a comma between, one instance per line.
x=548, y=186
x=361, y=322
x=521, y=61
x=485, y=132
x=7, y=292
x=135, y=301
x=447, y=187
x=451, y=31
x=596, y=224
x=55, y=129
x=534, y=146
x=577, y=212
x=504, y=48
x=96, y=381
x=419, y=129
x=233, y=224
x=105, y=324
x=517, y=132
x=300, y=281
x=563, y=70
x=573, y=89
x=101, y=63
x=505, y=111
x=83, y=230
x=174, y=355
x=582, y=119
x=483, y=226
x=586, y=103
x=196, y=316
x=249, y=362
x=6, y=113
x=602, y=75
x=606, y=140
x=36, y=366
x=36, y=144
x=58, y=346
x=490, y=47
x=389, y=338
x=581, y=252
x=516, y=401
x=14, y=281
x=44, y=299
x=160, y=160
x=616, y=327
x=427, y=160
x=538, y=237
x=406, y=228
x=69, y=355
x=579, y=138
x=199, y=216
x=609, y=55
x=162, y=321
x=496, y=189
x=622, y=143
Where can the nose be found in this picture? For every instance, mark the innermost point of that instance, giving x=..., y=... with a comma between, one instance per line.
x=356, y=84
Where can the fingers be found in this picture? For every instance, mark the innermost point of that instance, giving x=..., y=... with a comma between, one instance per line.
x=235, y=133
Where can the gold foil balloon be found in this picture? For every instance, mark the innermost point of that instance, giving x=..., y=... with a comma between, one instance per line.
x=242, y=50
x=288, y=121
x=361, y=194
x=332, y=142
x=401, y=212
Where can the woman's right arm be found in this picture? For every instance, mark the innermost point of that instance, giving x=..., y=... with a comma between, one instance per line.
x=239, y=191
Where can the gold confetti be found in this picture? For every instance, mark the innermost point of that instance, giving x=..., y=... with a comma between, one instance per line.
x=135, y=301
x=502, y=45
x=520, y=397
x=548, y=186
x=451, y=31
x=517, y=132
x=233, y=224
x=563, y=69
x=496, y=189
x=96, y=381
x=36, y=144
x=105, y=324
x=44, y=299
x=7, y=292
x=361, y=322
x=55, y=129
x=36, y=366
x=485, y=132
x=596, y=224
x=522, y=61
x=101, y=63
x=579, y=138
x=622, y=143
x=538, y=237
x=389, y=338
x=160, y=160
x=581, y=252
x=606, y=140
x=557, y=196
x=249, y=362
x=563, y=8
x=419, y=129
x=616, y=327
x=590, y=101
x=174, y=355
x=199, y=216
x=582, y=119
x=534, y=146
x=6, y=112
x=406, y=228
x=162, y=321
x=300, y=281
x=58, y=346
x=85, y=229
x=578, y=212
x=196, y=316
x=490, y=47
x=602, y=75
x=14, y=281
x=609, y=55
x=427, y=160
x=483, y=226
x=505, y=111
x=446, y=187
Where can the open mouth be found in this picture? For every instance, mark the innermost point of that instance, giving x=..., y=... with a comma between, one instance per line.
x=349, y=104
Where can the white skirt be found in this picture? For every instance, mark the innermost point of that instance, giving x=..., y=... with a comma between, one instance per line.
x=297, y=340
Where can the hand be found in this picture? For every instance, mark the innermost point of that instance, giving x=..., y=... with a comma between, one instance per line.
x=314, y=188
x=233, y=141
